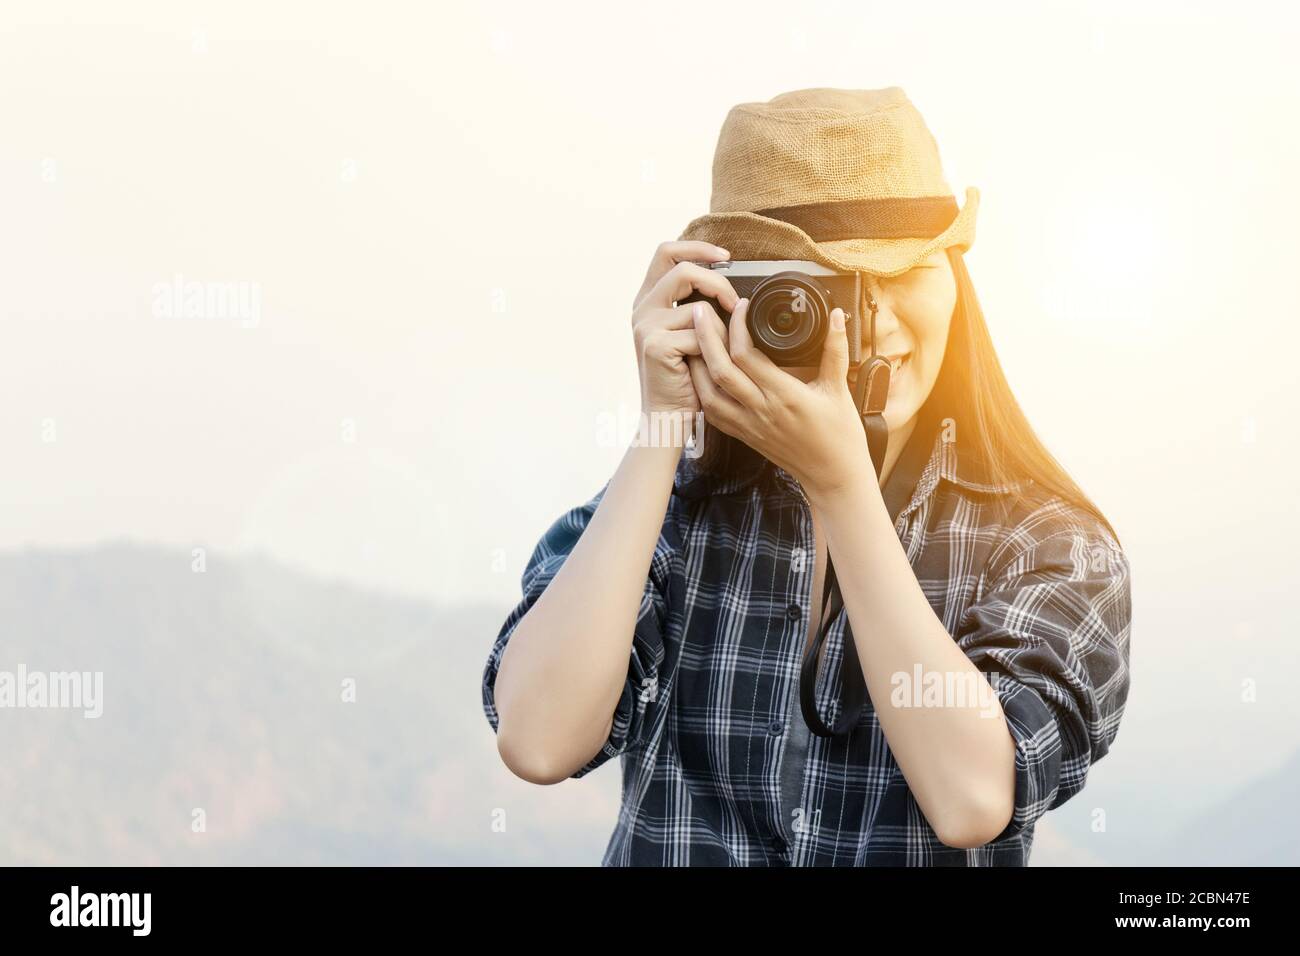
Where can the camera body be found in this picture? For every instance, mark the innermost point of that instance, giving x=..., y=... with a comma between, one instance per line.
x=790, y=304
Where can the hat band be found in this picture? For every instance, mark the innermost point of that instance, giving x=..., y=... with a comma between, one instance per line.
x=921, y=217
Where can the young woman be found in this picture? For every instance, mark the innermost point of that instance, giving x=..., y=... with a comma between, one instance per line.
x=986, y=609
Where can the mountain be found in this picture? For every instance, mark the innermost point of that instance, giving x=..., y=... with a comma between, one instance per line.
x=223, y=692
x=1256, y=826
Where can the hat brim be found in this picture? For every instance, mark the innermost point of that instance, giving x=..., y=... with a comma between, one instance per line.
x=747, y=235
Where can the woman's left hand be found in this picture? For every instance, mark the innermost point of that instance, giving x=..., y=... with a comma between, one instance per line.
x=810, y=429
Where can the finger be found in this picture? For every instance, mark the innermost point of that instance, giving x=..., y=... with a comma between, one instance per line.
x=719, y=408
x=687, y=277
x=669, y=344
x=834, y=368
x=723, y=370
x=750, y=359
x=645, y=324
x=669, y=254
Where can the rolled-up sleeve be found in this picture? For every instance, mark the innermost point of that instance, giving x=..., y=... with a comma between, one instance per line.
x=641, y=688
x=1051, y=632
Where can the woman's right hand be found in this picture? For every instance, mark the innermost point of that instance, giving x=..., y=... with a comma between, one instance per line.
x=664, y=333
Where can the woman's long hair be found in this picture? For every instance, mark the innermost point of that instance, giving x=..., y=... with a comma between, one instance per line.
x=970, y=381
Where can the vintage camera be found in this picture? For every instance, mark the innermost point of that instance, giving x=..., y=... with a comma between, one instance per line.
x=790, y=303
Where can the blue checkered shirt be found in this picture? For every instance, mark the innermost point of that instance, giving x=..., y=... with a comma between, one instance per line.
x=1035, y=592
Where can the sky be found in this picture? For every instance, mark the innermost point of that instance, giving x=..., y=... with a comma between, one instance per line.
x=431, y=220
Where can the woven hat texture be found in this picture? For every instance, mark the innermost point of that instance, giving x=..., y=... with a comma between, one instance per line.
x=851, y=179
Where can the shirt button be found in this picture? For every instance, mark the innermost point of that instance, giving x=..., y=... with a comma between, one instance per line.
x=793, y=612
x=776, y=728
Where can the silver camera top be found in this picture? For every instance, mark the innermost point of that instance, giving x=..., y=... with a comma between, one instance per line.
x=767, y=267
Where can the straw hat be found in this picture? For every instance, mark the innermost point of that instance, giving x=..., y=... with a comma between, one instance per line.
x=850, y=179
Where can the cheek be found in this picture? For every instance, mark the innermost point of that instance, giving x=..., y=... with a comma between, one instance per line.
x=929, y=323
x=932, y=350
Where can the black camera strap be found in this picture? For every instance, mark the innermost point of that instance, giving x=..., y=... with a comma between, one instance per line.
x=870, y=392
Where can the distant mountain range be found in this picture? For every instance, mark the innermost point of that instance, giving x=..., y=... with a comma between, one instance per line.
x=223, y=693
x=1255, y=827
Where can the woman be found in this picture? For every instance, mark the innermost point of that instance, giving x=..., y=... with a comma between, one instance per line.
x=986, y=608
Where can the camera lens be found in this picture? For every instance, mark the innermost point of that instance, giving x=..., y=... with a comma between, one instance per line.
x=788, y=317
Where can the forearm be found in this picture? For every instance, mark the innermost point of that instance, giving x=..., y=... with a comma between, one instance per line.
x=566, y=663
x=959, y=758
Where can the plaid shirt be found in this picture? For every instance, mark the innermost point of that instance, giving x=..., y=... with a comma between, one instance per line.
x=1037, y=594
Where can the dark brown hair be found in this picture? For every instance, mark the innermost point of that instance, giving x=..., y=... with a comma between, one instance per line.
x=970, y=382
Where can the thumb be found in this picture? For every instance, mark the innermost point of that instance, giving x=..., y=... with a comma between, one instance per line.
x=835, y=353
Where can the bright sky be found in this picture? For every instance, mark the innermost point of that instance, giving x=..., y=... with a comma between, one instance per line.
x=441, y=214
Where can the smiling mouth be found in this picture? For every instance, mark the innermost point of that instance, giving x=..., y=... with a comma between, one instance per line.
x=897, y=363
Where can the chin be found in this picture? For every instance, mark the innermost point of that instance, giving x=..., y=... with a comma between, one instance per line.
x=896, y=416
x=900, y=409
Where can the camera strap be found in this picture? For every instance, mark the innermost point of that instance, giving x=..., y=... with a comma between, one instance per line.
x=870, y=392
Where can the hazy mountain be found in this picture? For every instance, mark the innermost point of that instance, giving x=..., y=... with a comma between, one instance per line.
x=223, y=690
x=1254, y=827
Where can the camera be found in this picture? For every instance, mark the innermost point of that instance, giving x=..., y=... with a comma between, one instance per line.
x=790, y=304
